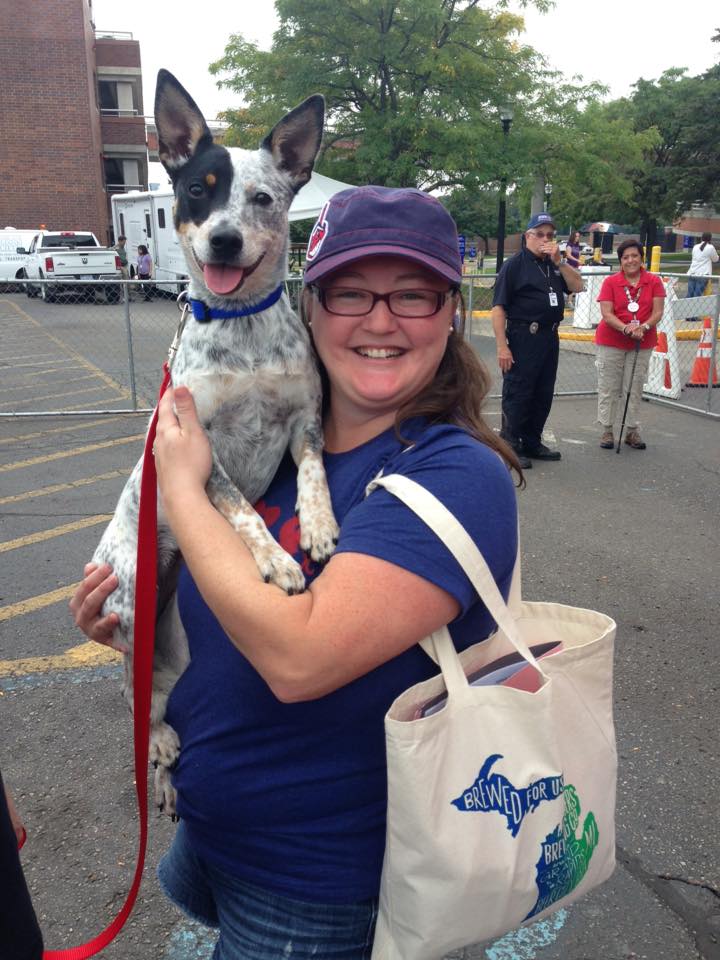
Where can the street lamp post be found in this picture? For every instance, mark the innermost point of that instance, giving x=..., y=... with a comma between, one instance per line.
x=548, y=194
x=506, y=118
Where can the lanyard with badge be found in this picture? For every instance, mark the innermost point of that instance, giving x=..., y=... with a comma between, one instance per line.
x=633, y=305
x=552, y=295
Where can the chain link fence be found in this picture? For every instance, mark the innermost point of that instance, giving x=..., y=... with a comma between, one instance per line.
x=100, y=348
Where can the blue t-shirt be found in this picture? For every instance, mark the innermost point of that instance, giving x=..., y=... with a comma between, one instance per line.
x=291, y=797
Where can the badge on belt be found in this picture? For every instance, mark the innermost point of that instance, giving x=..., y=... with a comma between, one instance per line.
x=534, y=327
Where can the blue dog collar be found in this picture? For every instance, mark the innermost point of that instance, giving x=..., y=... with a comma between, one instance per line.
x=203, y=313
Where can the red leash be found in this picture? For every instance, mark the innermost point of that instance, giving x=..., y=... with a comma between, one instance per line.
x=143, y=647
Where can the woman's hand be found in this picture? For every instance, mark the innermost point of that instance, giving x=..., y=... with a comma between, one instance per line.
x=87, y=603
x=183, y=457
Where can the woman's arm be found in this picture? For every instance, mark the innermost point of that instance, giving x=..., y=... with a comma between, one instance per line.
x=607, y=312
x=358, y=613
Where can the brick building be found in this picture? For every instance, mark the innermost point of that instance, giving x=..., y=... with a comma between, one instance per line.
x=71, y=115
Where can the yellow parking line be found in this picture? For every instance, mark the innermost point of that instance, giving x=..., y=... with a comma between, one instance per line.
x=67, y=429
x=37, y=357
x=59, y=487
x=90, y=366
x=63, y=382
x=75, y=452
x=84, y=655
x=39, y=363
x=67, y=393
x=37, y=603
x=60, y=531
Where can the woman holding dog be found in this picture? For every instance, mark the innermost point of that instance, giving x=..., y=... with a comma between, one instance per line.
x=281, y=779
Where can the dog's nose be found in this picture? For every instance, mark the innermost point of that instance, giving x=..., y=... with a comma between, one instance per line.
x=226, y=244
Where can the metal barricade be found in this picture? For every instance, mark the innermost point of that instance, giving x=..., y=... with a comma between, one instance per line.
x=100, y=348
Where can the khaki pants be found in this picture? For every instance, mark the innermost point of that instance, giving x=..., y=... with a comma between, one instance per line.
x=614, y=367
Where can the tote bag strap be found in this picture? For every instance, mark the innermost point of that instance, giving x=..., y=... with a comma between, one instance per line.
x=456, y=538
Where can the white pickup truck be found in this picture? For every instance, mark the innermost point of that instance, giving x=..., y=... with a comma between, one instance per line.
x=70, y=255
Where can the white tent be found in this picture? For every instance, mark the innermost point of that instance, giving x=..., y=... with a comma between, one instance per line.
x=313, y=196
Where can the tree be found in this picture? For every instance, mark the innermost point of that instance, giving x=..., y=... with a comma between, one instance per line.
x=412, y=86
x=475, y=211
x=681, y=163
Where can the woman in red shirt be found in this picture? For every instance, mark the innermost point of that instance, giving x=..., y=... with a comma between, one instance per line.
x=631, y=303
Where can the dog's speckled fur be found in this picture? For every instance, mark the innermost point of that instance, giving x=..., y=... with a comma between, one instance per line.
x=253, y=379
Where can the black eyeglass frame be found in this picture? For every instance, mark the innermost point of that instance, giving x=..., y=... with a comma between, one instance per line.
x=441, y=295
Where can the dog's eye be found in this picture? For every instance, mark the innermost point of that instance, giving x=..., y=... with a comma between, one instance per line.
x=262, y=199
x=196, y=189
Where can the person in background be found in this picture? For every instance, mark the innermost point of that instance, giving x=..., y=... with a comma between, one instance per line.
x=704, y=255
x=572, y=249
x=631, y=303
x=281, y=780
x=121, y=251
x=144, y=269
x=20, y=936
x=528, y=306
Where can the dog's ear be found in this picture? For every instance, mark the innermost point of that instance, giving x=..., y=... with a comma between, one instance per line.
x=295, y=140
x=180, y=125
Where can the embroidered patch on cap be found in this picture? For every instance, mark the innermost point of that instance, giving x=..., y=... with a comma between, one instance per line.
x=319, y=232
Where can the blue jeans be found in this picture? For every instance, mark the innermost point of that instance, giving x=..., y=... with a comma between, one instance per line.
x=257, y=924
x=696, y=288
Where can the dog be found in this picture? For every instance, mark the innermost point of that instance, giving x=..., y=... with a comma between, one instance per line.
x=247, y=359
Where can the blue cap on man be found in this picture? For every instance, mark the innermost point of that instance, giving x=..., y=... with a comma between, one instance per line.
x=538, y=219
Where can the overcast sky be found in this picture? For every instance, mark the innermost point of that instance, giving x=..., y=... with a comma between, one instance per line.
x=613, y=41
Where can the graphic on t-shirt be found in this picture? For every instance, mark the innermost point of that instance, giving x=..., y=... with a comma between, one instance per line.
x=564, y=858
x=288, y=536
x=494, y=792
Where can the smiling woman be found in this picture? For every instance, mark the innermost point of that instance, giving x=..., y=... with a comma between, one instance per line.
x=281, y=781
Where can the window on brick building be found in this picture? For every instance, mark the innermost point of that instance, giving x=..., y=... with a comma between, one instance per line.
x=114, y=173
x=108, y=96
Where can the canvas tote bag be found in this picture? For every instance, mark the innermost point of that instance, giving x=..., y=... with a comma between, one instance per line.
x=501, y=805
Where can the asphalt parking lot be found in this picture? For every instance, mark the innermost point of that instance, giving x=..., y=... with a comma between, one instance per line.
x=635, y=535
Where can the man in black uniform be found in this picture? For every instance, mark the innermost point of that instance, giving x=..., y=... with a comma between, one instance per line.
x=528, y=306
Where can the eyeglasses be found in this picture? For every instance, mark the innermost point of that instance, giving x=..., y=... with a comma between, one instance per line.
x=351, y=302
x=543, y=236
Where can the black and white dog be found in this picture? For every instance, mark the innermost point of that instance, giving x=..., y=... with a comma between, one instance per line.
x=246, y=358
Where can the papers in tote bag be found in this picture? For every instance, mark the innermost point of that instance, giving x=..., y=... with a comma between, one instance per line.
x=508, y=671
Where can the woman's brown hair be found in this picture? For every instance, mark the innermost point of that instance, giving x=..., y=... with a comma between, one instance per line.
x=455, y=395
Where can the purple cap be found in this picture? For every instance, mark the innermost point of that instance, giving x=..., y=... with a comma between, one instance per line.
x=365, y=221
x=538, y=220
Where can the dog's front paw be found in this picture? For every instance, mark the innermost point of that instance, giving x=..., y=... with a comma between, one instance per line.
x=165, y=795
x=164, y=745
x=318, y=534
x=278, y=567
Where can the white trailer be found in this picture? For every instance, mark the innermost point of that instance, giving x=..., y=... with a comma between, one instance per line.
x=146, y=217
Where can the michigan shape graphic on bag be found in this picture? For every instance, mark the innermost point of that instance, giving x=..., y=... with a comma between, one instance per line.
x=564, y=857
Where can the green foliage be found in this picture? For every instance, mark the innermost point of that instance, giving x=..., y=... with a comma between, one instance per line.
x=413, y=91
x=413, y=87
x=475, y=211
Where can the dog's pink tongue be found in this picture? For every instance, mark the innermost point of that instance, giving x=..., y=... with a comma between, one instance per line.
x=222, y=278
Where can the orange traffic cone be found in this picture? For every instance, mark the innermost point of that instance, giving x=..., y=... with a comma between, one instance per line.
x=662, y=347
x=700, y=373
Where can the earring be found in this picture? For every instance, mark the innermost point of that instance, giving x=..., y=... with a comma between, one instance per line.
x=451, y=329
